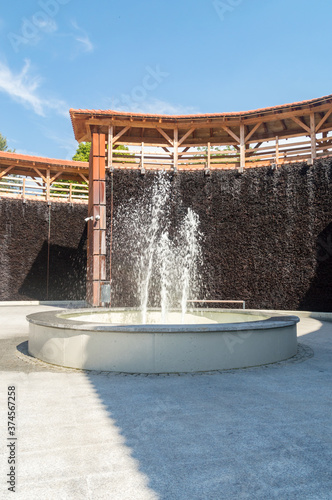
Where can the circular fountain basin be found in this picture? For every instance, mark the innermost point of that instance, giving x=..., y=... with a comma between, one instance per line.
x=202, y=340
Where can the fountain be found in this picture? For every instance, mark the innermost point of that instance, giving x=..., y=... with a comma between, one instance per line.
x=168, y=338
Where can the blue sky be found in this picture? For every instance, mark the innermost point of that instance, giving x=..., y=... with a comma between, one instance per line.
x=168, y=56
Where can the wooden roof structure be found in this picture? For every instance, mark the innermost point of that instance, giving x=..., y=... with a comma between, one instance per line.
x=288, y=120
x=40, y=167
x=44, y=172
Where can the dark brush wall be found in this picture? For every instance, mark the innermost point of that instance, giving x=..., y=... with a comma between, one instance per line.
x=267, y=233
x=34, y=267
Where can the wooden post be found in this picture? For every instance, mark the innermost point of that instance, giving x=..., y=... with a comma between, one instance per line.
x=23, y=188
x=324, y=136
x=209, y=155
x=70, y=193
x=142, y=158
x=242, y=148
x=176, y=149
x=277, y=150
x=48, y=185
x=96, y=266
x=313, y=137
x=110, y=148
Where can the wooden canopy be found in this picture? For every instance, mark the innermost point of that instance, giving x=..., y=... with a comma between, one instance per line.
x=289, y=120
x=39, y=167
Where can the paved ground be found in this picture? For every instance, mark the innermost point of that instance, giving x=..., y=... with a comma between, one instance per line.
x=263, y=433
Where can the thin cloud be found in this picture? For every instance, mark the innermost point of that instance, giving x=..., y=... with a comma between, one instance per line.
x=83, y=39
x=86, y=42
x=24, y=88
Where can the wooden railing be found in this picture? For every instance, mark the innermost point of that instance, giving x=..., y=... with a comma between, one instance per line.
x=255, y=155
x=26, y=188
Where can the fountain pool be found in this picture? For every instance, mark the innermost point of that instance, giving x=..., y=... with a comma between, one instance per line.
x=201, y=340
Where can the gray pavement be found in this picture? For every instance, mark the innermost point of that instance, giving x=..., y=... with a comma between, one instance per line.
x=261, y=433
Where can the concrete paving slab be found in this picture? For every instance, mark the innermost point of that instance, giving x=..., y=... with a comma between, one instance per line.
x=261, y=433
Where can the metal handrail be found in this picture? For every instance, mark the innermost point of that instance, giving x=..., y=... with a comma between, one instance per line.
x=221, y=302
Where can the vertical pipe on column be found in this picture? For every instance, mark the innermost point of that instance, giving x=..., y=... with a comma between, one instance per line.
x=48, y=252
x=111, y=235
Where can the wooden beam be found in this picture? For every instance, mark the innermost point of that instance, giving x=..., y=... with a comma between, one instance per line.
x=187, y=134
x=323, y=120
x=48, y=184
x=253, y=151
x=83, y=177
x=242, y=148
x=313, y=137
x=52, y=179
x=40, y=174
x=277, y=150
x=209, y=155
x=8, y=169
x=300, y=122
x=123, y=131
x=251, y=133
x=166, y=136
x=110, y=147
x=284, y=126
x=231, y=133
x=142, y=157
x=176, y=144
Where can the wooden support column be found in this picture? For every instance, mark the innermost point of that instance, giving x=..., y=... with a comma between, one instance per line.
x=23, y=188
x=142, y=158
x=110, y=149
x=176, y=149
x=324, y=136
x=313, y=137
x=48, y=185
x=209, y=156
x=242, y=148
x=97, y=285
x=277, y=150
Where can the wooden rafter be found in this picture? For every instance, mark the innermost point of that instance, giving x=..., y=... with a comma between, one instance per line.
x=120, y=134
x=187, y=134
x=8, y=169
x=83, y=177
x=40, y=174
x=251, y=133
x=166, y=136
x=52, y=179
x=231, y=133
x=323, y=120
x=300, y=122
x=284, y=126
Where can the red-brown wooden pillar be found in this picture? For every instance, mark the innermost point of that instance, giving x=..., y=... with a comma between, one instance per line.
x=98, y=288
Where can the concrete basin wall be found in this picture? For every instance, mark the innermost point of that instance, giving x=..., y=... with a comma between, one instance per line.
x=160, y=348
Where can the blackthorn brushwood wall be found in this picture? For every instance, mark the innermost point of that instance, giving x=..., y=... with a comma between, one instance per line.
x=267, y=238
